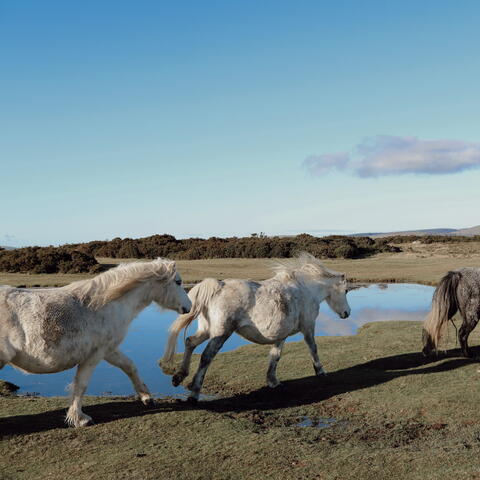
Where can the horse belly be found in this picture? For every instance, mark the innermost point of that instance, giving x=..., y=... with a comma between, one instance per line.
x=42, y=364
x=265, y=334
x=68, y=353
x=253, y=335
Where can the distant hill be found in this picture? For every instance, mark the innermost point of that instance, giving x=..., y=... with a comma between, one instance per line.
x=467, y=232
x=7, y=248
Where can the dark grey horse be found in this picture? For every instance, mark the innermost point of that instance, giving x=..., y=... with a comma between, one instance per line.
x=459, y=290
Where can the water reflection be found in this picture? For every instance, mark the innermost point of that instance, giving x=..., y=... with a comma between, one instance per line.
x=146, y=338
x=322, y=422
x=377, y=303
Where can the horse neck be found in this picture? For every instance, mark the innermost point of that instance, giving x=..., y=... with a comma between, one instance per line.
x=136, y=300
x=318, y=290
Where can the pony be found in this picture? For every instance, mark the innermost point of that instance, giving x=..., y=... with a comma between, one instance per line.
x=264, y=312
x=458, y=290
x=48, y=330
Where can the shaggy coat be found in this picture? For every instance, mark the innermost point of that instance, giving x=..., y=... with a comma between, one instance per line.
x=49, y=330
x=459, y=290
x=262, y=312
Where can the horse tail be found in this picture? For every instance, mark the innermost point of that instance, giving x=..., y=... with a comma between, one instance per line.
x=444, y=307
x=200, y=295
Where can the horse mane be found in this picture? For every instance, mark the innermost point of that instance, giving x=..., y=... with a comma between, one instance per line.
x=306, y=266
x=113, y=284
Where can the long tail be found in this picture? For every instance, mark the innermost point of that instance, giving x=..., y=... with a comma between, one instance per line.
x=200, y=295
x=444, y=307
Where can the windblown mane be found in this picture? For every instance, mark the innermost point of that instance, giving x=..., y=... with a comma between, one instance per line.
x=116, y=282
x=304, y=265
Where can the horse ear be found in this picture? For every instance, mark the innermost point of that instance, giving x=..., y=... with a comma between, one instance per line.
x=171, y=268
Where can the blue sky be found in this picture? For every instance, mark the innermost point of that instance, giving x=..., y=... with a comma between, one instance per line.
x=129, y=118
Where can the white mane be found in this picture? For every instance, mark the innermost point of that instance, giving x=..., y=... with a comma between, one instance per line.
x=306, y=266
x=110, y=285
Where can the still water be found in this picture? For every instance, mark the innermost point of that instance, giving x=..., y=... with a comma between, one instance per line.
x=148, y=332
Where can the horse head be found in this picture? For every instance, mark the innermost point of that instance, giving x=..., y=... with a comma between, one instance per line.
x=337, y=297
x=168, y=291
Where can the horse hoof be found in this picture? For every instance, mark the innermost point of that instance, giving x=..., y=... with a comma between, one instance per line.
x=274, y=384
x=176, y=380
x=77, y=421
x=149, y=402
x=192, y=400
x=85, y=422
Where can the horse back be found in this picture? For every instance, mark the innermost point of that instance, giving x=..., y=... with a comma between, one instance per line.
x=273, y=295
x=262, y=312
x=7, y=315
x=50, y=314
x=468, y=291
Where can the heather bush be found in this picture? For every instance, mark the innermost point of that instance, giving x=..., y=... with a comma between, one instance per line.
x=79, y=258
x=46, y=260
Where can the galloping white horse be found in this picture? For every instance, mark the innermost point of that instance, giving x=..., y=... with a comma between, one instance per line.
x=49, y=330
x=262, y=312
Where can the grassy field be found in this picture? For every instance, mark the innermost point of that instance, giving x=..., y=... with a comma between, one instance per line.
x=395, y=416
x=391, y=414
x=417, y=263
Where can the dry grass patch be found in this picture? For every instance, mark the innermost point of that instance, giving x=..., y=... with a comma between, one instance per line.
x=407, y=267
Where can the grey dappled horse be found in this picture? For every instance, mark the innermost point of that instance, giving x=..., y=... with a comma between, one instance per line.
x=459, y=290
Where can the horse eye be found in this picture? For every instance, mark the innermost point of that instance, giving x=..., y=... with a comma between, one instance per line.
x=178, y=282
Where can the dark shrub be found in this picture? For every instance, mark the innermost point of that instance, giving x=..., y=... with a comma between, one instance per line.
x=345, y=251
x=79, y=258
x=46, y=260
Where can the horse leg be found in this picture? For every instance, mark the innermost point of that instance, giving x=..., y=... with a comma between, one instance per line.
x=190, y=344
x=310, y=341
x=275, y=353
x=75, y=416
x=7, y=353
x=120, y=360
x=469, y=323
x=212, y=348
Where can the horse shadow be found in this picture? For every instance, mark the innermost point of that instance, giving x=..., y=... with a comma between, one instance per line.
x=308, y=390
x=292, y=393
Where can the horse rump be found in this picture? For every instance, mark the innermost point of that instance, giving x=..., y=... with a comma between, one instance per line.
x=444, y=307
x=200, y=295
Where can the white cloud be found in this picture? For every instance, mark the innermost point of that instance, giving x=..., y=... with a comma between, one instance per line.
x=391, y=155
x=320, y=164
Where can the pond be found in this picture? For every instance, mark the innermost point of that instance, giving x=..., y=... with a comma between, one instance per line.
x=148, y=332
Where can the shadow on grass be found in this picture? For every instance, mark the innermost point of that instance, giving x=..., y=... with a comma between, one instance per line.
x=292, y=393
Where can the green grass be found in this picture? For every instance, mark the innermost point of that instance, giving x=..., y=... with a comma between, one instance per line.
x=400, y=417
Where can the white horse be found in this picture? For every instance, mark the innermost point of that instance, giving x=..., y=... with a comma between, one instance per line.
x=262, y=312
x=49, y=330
